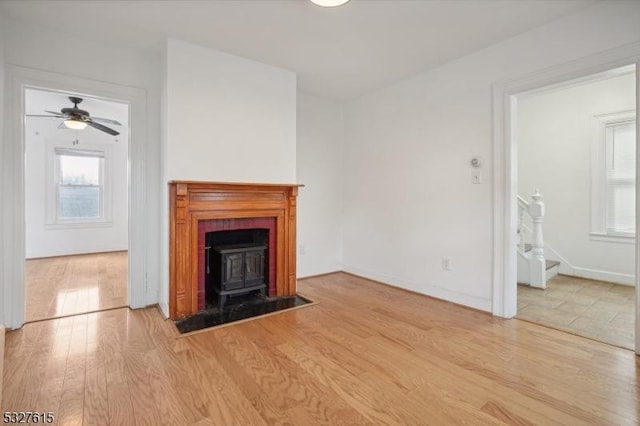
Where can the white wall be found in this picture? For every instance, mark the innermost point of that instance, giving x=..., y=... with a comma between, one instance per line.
x=320, y=168
x=409, y=200
x=41, y=136
x=225, y=119
x=44, y=49
x=228, y=118
x=555, y=134
x=2, y=349
x=2, y=84
x=41, y=48
x=5, y=290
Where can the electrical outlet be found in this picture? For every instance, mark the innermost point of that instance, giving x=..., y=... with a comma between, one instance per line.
x=446, y=263
x=302, y=249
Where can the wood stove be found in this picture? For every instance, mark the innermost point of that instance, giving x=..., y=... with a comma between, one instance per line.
x=236, y=269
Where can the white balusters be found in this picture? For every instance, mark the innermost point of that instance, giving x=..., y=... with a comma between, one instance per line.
x=536, y=260
x=523, y=207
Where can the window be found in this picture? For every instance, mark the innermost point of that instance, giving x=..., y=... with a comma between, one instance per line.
x=80, y=184
x=614, y=178
x=620, y=209
x=79, y=195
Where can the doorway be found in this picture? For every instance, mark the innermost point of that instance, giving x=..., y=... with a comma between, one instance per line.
x=504, y=300
x=76, y=203
x=576, y=151
x=142, y=286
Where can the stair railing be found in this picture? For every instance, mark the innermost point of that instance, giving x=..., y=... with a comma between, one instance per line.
x=536, y=210
x=523, y=206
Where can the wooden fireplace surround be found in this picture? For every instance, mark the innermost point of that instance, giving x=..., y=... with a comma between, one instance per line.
x=191, y=202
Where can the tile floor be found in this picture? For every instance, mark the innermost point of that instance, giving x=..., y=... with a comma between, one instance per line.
x=596, y=309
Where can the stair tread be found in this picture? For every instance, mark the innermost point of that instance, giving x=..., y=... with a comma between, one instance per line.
x=548, y=263
x=551, y=263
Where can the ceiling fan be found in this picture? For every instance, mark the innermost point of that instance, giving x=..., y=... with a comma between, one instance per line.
x=77, y=119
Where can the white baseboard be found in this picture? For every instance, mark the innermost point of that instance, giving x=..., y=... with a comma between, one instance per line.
x=427, y=289
x=164, y=309
x=614, y=277
x=318, y=275
x=151, y=297
x=567, y=268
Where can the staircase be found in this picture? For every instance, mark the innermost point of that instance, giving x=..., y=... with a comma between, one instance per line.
x=533, y=268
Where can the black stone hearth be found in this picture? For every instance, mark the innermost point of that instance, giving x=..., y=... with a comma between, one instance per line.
x=238, y=308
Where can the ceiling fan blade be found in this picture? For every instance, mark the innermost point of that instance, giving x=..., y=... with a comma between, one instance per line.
x=106, y=121
x=55, y=113
x=50, y=116
x=102, y=128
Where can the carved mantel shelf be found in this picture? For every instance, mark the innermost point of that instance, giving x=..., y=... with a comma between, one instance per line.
x=192, y=202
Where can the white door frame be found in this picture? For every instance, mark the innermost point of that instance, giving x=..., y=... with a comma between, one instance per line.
x=505, y=166
x=12, y=250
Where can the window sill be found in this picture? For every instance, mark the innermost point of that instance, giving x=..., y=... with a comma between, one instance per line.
x=613, y=238
x=78, y=225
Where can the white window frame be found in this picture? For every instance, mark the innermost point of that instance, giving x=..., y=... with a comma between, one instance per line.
x=53, y=221
x=599, y=230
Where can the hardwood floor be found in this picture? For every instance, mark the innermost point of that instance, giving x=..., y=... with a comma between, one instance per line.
x=69, y=285
x=365, y=354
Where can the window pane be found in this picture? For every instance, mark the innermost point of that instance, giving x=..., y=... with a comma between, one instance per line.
x=621, y=203
x=79, y=202
x=76, y=170
x=623, y=152
x=621, y=174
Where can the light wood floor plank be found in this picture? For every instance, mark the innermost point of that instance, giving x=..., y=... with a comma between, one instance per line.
x=69, y=285
x=96, y=410
x=365, y=354
x=2, y=331
x=72, y=400
x=145, y=410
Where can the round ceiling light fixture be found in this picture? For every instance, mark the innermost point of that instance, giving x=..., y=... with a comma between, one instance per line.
x=75, y=124
x=329, y=3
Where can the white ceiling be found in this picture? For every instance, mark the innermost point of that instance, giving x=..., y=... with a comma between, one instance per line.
x=338, y=53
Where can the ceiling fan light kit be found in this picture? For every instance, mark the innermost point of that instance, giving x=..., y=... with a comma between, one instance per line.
x=75, y=124
x=329, y=3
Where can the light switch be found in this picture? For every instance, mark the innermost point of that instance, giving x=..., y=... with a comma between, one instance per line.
x=475, y=176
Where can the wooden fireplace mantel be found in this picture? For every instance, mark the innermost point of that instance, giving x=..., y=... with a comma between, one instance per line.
x=191, y=202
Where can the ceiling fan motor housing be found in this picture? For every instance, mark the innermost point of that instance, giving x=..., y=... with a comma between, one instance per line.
x=75, y=112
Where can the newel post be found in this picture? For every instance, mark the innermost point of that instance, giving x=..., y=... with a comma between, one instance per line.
x=538, y=269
